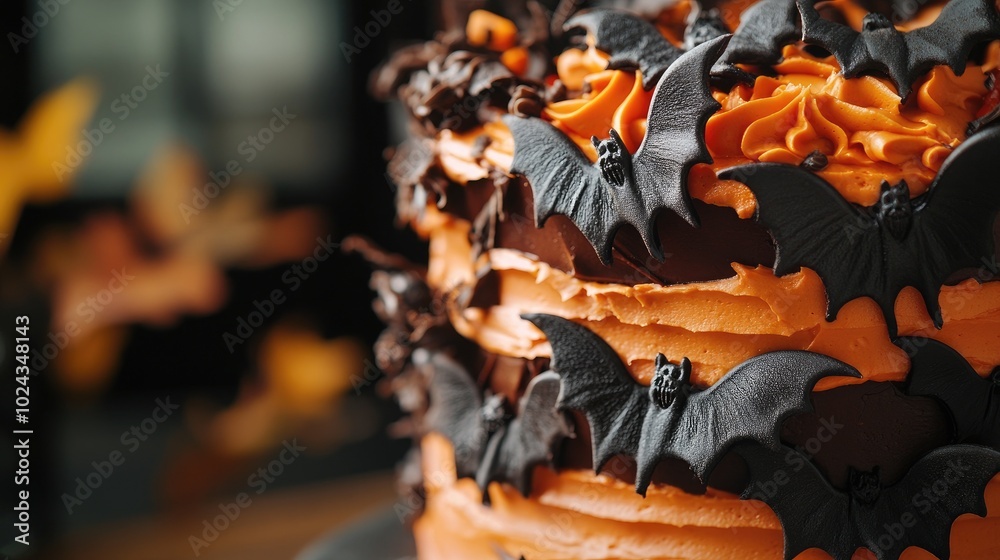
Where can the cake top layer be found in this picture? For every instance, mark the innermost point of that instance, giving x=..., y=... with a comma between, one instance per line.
x=793, y=106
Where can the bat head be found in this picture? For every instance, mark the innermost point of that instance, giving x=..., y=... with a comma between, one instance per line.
x=874, y=22
x=894, y=209
x=995, y=377
x=494, y=413
x=614, y=159
x=866, y=485
x=671, y=381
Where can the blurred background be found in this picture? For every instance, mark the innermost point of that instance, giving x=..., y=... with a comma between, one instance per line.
x=176, y=177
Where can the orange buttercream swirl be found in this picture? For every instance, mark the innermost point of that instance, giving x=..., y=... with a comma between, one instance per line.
x=616, y=100
x=859, y=123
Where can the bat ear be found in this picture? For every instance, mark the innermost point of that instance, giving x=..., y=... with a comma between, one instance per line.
x=617, y=138
x=685, y=370
x=595, y=141
x=661, y=360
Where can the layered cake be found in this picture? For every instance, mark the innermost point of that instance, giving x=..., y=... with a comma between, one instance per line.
x=706, y=281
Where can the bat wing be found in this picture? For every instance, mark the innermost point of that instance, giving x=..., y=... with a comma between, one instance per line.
x=563, y=181
x=812, y=513
x=596, y=383
x=872, y=51
x=938, y=371
x=631, y=42
x=454, y=411
x=748, y=404
x=843, y=42
x=944, y=484
x=530, y=438
x=814, y=227
x=675, y=135
x=961, y=26
x=764, y=28
x=953, y=223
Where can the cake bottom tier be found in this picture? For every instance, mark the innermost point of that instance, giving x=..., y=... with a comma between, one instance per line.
x=578, y=515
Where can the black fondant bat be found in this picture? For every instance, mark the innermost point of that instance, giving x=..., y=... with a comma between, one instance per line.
x=623, y=188
x=528, y=440
x=635, y=44
x=488, y=443
x=457, y=411
x=764, y=28
x=904, y=57
x=938, y=371
x=669, y=418
x=877, y=251
x=918, y=510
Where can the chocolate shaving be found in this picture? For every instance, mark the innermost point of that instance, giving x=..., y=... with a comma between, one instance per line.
x=556, y=92
x=484, y=226
x=378, y=257
x=815, y=161
x=388, y=77
x=414, y=171
x=480, y=144
x=452, y=90
x=526, y=102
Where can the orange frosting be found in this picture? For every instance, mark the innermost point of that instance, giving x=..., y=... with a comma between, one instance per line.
x=859, y=124
x=490, y=30
x=716, y=324
x=616, y=100
x=579, y=515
